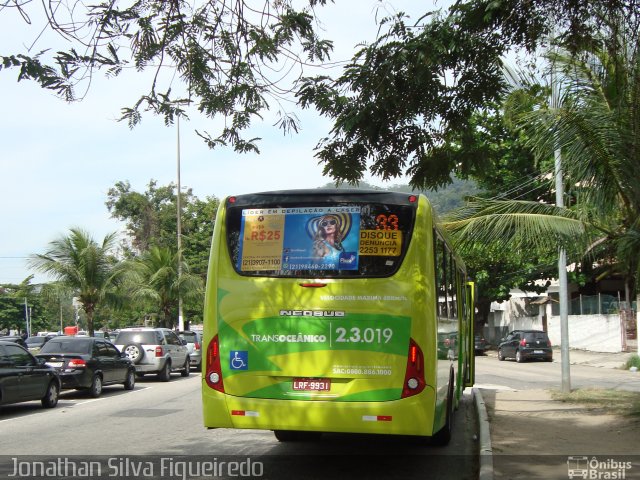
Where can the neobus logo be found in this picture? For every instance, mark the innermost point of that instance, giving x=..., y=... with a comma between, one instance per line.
x=311, y=313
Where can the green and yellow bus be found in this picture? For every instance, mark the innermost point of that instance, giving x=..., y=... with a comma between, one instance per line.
x=335, y=311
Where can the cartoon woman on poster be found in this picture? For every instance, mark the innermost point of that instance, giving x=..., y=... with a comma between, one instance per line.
x=327, y=242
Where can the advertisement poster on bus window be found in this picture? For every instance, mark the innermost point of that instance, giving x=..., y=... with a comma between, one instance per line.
x=308, y=238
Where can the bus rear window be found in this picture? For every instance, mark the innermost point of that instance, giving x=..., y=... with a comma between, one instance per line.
x=318, y=239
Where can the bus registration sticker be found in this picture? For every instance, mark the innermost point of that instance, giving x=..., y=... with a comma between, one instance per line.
x=312, y=384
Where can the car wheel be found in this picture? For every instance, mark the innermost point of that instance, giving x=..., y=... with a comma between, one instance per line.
x=519, y=357
x=500, y=355
x=134, y=352
x=165, y=374
x=96, y=386
x=50, y=398
x=130, y=382
x=186, y=370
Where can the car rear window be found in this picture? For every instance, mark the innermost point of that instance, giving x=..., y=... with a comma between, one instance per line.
x=188, y=337
x=144, y=338
x=533, y=336
x=68, y=345
x=35, y=340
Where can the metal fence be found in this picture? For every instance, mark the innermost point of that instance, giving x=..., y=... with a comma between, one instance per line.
x=600, y=304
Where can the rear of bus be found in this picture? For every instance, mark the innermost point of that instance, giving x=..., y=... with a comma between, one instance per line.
x=320, y=315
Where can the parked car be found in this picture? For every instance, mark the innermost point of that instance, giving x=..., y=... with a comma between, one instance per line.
x=154, y=350
x=526, y=344
x=34, y=344
x=104, y=335
x=480, y=345
x=194, y=345
x=15, y=339
x=24, y=378
x=88, y=363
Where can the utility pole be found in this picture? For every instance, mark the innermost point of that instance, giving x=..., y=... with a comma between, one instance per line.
x=562, y=254
x=179, y=208
x=26, y=317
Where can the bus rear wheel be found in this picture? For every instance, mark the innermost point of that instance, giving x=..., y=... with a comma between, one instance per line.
x=443, y=436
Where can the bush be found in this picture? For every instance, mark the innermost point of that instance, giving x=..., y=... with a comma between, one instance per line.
x=634, y=361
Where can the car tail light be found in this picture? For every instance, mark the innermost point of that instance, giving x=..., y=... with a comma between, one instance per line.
x=414, y=381
x=523, y=343
x=76, y=363
x=159, y=351
x=549, y=343
x=196, y=346
x=214, y=371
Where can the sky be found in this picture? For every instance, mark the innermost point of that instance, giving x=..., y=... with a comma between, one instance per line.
x=58, y=160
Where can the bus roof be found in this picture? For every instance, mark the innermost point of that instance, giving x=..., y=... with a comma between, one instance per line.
x=326, y=194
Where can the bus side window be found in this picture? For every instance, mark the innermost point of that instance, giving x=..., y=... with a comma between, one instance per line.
x=451, y=287
x=440, y=270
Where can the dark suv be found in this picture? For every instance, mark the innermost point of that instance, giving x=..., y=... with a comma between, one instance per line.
x=526, y=344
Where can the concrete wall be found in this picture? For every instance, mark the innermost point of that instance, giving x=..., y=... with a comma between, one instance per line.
x=597, y=333
x=500, y=325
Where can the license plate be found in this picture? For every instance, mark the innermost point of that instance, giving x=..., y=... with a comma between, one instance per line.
x=538, y=351
x=312, y=384
x=54, y=364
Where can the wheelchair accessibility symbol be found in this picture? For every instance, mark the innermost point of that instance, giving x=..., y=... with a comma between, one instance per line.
x=239, y=360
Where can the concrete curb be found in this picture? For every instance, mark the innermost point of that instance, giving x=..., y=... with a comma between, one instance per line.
x=485, y=450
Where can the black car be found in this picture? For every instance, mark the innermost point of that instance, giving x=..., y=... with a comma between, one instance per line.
x=24, y=378
x=15, y=339
x=34, y=344
x=525, y=345
x=480, y=344
x=88, y=363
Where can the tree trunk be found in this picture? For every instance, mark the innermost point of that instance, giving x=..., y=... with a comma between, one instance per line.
x=168, y=322
x=89, y=312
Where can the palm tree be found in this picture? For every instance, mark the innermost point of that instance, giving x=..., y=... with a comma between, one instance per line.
x=154, y=277
x=89, y=269
x=596, y=123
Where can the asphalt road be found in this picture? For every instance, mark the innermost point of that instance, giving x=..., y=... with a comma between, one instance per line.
x=491, y=373
x=164, y=420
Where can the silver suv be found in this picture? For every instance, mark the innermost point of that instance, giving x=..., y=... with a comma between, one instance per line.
x=154, y=350
x=194, y=344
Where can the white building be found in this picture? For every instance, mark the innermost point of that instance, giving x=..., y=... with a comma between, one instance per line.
x=600, y=323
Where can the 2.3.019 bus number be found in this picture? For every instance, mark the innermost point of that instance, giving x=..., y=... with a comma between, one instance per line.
x=367, y=335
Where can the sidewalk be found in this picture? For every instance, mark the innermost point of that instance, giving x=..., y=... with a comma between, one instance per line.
x=534, y=436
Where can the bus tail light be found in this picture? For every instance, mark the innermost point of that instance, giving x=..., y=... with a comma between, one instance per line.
x=414, y=381
x=214, y=372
